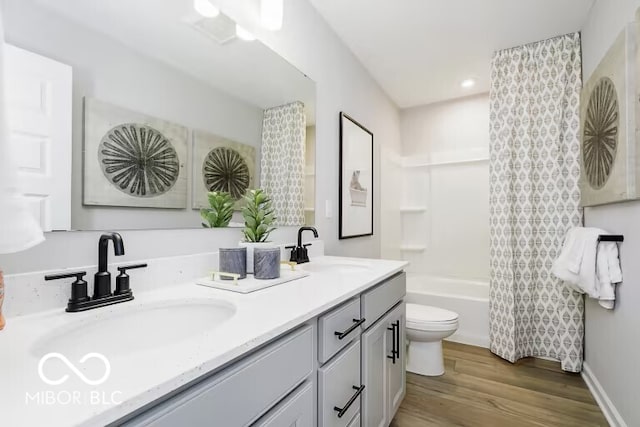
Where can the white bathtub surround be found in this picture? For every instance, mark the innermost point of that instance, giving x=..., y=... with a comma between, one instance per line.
x=426, y=328
x=441, y=158
x=469, y=299
x=589, y=266
x=142, y=375
x=534, y=198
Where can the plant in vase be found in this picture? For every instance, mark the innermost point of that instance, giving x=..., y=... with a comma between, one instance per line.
x=259, y=218
x=220, y=212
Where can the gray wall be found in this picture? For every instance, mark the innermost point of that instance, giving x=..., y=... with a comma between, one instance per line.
x=611, y=345
x=111, y=72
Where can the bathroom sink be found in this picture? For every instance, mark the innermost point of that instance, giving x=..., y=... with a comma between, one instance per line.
x=341, y=267
x=121, y=330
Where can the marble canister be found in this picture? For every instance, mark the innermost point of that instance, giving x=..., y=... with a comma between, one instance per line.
x=266, y=263
x=233, y=260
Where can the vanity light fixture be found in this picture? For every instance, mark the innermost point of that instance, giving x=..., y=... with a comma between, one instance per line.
x=243, y=34
x=271, y=14
x=205, y=8
x=468, y=83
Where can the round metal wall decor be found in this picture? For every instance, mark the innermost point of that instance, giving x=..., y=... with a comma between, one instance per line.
x=224, y=169
x=600, y=133
x=138, y=160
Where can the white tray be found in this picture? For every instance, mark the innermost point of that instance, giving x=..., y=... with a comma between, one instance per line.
x=251, y=284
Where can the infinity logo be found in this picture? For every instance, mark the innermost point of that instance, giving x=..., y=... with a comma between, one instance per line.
x=75, y=370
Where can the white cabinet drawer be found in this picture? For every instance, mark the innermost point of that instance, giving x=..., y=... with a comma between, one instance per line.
x=338, y=328
x=294, y=411
x=379, y=300
x=242, y=393
x=339, y=388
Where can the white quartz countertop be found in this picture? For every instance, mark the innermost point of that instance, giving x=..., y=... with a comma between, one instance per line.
x=145, y=373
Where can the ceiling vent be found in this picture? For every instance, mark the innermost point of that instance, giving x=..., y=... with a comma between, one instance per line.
x=222, y=29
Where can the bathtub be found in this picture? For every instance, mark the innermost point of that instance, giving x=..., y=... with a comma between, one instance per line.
x=470, y=299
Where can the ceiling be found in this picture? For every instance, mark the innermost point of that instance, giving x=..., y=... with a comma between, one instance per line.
x=249, y=71
x=420, y=51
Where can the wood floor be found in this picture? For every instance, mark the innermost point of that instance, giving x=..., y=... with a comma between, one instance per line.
x=480, y=389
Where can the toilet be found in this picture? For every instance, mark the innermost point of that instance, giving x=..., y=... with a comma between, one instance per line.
x=426, y=328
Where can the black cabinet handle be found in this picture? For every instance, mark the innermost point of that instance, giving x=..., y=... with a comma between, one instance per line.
x=342, y=411
x=342, y=335
x=394, y=352
x=397, y=325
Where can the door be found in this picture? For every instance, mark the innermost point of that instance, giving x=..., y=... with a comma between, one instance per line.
x=39, y=102
x=375, y=344
x=396, y=367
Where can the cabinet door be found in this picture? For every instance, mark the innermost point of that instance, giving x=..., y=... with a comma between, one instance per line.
x=374, y=366
x=340, y=388
x=295, y=411
x=396, y=372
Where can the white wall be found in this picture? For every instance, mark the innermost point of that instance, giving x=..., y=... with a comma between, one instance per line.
x=612, y=347
x=342, y=85
x=455, y=226
x=106, y=70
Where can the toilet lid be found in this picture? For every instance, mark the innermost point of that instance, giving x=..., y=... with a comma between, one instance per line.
x=423, y=314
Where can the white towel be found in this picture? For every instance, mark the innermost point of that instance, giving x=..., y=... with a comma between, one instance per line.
x=609, y=273
x=589, y=266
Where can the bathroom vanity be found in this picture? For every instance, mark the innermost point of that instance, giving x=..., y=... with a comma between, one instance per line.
x=342, y=368
x=326, y=350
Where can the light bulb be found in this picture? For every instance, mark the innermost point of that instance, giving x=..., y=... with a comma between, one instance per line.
x=468, y=83
x=271, y=14
x=244, y=34
x=205, y=8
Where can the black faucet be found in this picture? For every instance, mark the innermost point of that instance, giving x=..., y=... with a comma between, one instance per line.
x=299, y=254
x=102, y=295
x=102, y=284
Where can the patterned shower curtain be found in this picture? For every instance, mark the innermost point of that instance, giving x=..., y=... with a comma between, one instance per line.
x=534, y=200
x=282, y=168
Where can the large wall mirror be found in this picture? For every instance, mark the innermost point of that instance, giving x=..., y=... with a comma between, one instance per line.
x=125, y=114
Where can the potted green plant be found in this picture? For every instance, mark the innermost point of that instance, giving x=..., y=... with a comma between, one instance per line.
x=220, y=212
x=259, y=218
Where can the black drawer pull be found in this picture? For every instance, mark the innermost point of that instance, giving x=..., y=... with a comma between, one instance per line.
x=342, y=335
x=394, y=353
x=342, y=411
x=397, y=325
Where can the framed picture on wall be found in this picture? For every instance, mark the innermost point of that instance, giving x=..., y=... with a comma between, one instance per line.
x=356, y=179
x=132, y=159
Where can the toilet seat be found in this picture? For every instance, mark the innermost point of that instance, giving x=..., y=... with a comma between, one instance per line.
x=427, y=318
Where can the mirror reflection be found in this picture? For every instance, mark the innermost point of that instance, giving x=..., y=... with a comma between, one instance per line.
x=128, y=120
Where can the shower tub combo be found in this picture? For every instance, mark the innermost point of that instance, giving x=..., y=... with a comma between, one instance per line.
x=470, y=299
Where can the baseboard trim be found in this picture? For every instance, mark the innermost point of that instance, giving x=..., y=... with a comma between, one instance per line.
x=602, y=399
x=478, y=341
